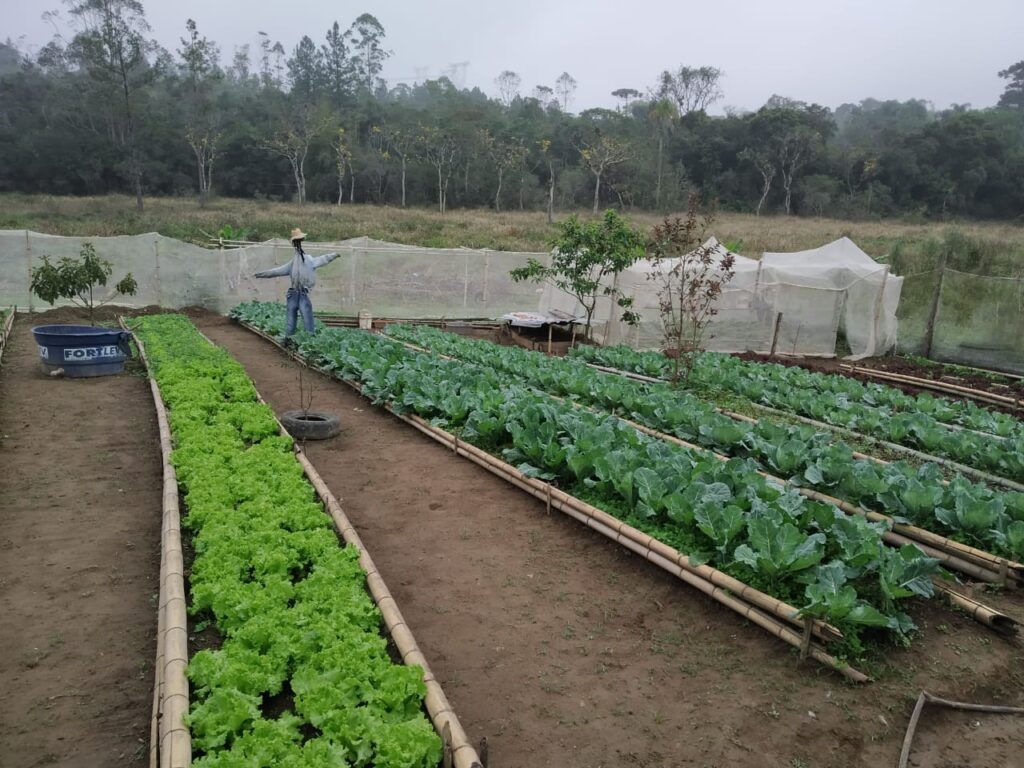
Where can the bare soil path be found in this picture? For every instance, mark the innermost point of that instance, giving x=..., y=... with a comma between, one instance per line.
x=80, y=494
x=562, y=648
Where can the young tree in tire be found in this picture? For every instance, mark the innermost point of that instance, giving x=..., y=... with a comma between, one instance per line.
x=585, y=259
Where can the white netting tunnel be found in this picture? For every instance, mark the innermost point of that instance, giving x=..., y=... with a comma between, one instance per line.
x=813, y=295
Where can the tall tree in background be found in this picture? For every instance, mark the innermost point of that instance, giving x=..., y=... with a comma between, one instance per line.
x=626, y=96
x=292, y=142
x=693, y=89
x=306, y=70
x=791, y=133
x=337, y=66
x=368, y=53
x=761, y=159
x=1013, y=95
x=439, y=148
x=599, y=154
x=342, y=161
x=508, y=83
x=565, y=86
x=112, y=48
x=662, y=114
x=199, y=62
x=505, y=154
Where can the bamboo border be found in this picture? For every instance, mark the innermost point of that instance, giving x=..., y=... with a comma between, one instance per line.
x=978, y=563
x=956, y=466
x=172, y=747
x=956, y=390
x=442, y=716
x=8, y=324
x=647, y=547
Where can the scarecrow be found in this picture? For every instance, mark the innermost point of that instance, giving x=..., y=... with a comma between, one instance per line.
x=302, y=271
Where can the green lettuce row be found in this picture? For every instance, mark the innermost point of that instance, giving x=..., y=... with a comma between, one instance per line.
x=724, y=513
x=290, y=603
x=965, y=511
x=871, y=409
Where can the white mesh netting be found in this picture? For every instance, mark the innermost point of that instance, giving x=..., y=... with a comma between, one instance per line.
x=814, y=294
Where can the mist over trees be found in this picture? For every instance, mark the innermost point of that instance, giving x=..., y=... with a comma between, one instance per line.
x=105, y=109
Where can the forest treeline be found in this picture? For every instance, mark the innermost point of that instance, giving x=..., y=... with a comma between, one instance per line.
x=103, y=108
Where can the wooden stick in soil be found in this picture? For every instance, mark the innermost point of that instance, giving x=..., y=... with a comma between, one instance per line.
x=653, y=550
x=927, y=698
x=172, y=697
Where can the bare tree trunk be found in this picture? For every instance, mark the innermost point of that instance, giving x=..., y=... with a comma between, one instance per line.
x=403, y=181
x=440, y=191
x=551, y=193
x=522, y=189
x=787, y=184
x=657, y=187
x=497, y=195
x=764, y=191
x=351, y=183
x=597, y=192
x=341, y=189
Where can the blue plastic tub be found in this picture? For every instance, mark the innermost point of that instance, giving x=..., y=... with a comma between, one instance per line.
x=82, y=350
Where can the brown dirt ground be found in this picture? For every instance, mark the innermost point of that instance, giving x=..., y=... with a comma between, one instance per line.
x=80, y=499
x=938, y=372
x=562, y=648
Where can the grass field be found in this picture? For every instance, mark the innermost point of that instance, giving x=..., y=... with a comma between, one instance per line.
x=514, y=230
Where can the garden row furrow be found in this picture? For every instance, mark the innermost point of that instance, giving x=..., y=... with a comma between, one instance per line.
x=295, y=627
x=873, y=410
x=989, y=525
x=725, y=514
x=781, y=620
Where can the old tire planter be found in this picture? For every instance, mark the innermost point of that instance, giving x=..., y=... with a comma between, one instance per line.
x=311, y=425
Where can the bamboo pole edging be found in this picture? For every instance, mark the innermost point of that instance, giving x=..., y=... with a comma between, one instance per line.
x=546, y=492
x=171, y=694
x=977, y=474
x=939, y=386
x=442, y=715
x=651, y=553
x=974, y=562
x=8, y=324
x=997, y=620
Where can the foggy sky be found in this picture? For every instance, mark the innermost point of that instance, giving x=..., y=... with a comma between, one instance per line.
x=824, y=51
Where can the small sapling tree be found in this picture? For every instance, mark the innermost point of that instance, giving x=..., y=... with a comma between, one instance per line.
x=690, y=276
x=585, y=256
x=77, y=280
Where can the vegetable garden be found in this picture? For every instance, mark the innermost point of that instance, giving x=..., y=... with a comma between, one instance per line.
x=759, y=530
x=281, y=645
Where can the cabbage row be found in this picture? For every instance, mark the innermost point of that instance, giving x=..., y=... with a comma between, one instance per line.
x=968, y=512
x=871, y=409
x=725, y=513
x=298, y=625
